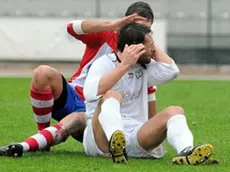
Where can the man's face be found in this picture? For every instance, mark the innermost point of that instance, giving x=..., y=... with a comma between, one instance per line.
x=149, y=24
x=149, y=48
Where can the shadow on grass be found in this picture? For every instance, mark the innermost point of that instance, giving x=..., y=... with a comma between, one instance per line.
x=80, y=155
x=55, y=153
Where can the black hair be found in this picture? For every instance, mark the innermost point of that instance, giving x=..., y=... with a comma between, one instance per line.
x=132, y=33
x=141, y=8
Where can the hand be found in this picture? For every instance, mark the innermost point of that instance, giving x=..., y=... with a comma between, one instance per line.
x=131, y=55
x=125, y=20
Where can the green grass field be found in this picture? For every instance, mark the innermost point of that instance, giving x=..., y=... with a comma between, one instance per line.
x=206, y=105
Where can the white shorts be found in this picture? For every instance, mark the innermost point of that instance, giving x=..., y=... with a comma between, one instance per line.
x=133, y=148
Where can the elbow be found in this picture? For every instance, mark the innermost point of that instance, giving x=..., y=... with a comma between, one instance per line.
x=90, y=91
x=69, y=29
x=88, y=94
x=172, y=73
x=85, y=93
x=101, y=91
x=175, y=72
x=75, y=28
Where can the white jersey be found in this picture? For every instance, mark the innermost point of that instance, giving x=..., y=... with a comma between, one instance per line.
x=132, y=86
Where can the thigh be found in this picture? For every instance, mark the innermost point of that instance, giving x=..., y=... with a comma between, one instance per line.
x=99, y=135
x=89, y=143
x=135, y=150
x=98, y=132
x=153, y=132
x=67, y=103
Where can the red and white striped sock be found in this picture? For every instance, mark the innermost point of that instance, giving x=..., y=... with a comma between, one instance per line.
x=42, y=103
x=45, y=138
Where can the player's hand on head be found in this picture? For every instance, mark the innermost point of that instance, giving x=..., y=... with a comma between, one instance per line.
x=131, y=54
x=133, y=18
x=128, y=19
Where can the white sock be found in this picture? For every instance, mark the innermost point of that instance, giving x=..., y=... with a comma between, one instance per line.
x=178, y=134
x=110, y=117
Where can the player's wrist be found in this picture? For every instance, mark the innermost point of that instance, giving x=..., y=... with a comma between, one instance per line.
x=115, y=25
x=124, y=67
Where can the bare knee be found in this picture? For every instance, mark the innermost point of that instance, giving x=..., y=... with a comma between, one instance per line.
x=43, y=75
x=112, y=94
x=43, y=71
x=173, y=110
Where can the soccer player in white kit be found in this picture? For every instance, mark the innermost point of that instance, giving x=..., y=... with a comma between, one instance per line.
x=117, y=107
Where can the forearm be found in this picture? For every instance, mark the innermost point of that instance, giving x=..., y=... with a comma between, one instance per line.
x=161, y=56
x=89, y=26
x=110, y=79
x=152, y=109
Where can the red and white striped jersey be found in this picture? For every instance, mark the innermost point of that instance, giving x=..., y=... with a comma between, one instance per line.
x=97, y=44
